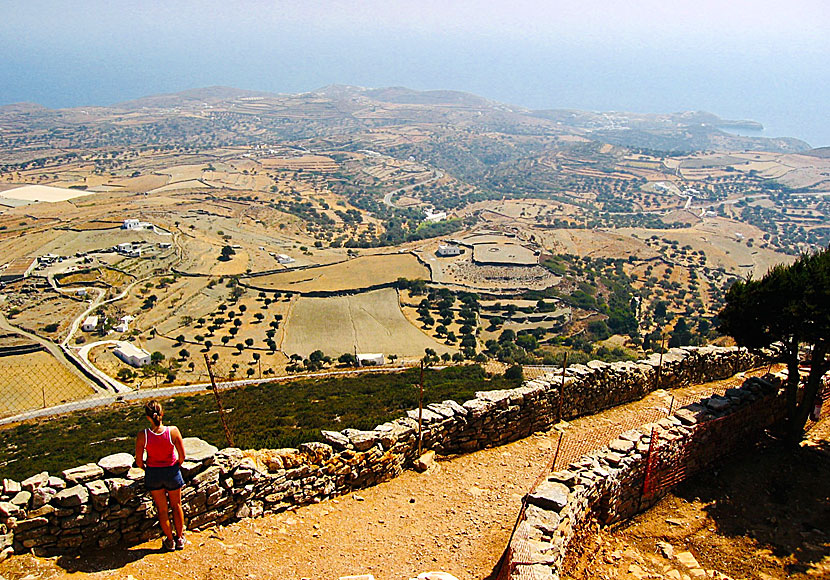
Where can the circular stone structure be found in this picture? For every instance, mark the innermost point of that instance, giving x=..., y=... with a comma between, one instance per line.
x=504, y=255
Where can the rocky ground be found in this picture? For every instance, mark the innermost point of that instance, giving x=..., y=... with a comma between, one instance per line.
x=458, y=517
x=764, y=515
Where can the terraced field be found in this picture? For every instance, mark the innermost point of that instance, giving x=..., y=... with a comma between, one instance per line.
x=368, y=322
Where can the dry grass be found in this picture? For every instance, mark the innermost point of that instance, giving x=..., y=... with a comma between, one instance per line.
x=369, y=322
x=350, y=275
x=36, y=380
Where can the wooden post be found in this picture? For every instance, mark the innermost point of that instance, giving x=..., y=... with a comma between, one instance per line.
x=228, y=434
x=421, y=411
x=562, y=387
x=556, y=455
x=660, y=366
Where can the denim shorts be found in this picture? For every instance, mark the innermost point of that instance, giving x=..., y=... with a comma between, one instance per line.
x=163, y=478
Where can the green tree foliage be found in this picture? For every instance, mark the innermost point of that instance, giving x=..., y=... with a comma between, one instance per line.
x=226, y=254
x=789, y=305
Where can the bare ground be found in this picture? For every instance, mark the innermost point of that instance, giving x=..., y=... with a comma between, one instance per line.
x=457, y=517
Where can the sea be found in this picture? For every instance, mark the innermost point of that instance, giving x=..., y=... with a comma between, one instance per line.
x=788, y=92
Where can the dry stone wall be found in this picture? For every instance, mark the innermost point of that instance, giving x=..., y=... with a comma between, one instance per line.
x=104, y=503
x=633, y=472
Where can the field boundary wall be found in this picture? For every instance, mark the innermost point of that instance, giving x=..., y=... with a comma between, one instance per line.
x=103, y=504
x=633, y=472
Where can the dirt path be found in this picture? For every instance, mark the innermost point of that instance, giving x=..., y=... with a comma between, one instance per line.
x=457, y=517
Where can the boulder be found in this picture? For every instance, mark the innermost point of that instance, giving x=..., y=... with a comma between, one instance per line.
x=117, y=464
x=425, y=461
x=197, y=450
x=549, y=495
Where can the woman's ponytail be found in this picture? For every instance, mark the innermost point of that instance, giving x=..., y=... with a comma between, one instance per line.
x=154, y=411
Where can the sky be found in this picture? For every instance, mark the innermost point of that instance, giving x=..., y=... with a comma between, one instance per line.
x=760, y=59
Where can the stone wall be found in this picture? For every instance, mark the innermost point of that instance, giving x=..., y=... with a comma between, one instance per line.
x=104, y=503
x=634, y=472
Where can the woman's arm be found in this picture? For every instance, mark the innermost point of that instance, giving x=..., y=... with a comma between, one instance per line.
x=139, y=450
x=176, y=436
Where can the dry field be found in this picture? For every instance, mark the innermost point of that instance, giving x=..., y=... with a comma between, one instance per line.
x=46, y=308
x=368, y=322
x=43, y=193
x=304, y=163
x=37, y=380
x=350, y=275
x=594, y=243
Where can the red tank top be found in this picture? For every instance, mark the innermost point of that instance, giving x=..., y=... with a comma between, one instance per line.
x=160, y=449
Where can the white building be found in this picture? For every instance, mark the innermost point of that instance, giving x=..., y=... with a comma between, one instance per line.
x=131, y=354
x=90, y=324
x=283, y=259
x=124, y=324
x=370, y=359
x=131, y=224
x=435, y=217
x=124, y=247
x=448, y=250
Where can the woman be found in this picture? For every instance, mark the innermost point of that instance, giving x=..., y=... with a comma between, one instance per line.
x=164, y=450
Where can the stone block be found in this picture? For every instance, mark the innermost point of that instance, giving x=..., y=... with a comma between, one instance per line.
x=83, y=473
x=207, y=477
x=189, y=468
x=34, y=482
x=336, y=439
x=621, y=446
x=11, y=487
x=71, y=497
x=315, y=451
x=21, y=498
x=362, y=440
x=117, y=464
x=549, y=495
x=56, y=483
x=123, y=490
x=135, y=474
x=99, y=493
x=197, y=450
x=9, y=510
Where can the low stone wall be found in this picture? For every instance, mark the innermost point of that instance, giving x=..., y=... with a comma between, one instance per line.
x=99, y=505
x=634, y=472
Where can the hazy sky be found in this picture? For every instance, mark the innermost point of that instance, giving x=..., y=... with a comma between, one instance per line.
x=758, y=59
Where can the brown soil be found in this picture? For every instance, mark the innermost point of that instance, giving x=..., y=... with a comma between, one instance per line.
x=764, y=515
x=457, y=517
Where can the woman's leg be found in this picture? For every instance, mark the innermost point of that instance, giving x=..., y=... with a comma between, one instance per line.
x=160, y=499
x=175, y=496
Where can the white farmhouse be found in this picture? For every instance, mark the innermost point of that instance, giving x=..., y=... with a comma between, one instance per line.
x=131, y=354
x=124, y=324
x=90, y=324
x=284, y=259
x=435, y=217
x=448, y=250
x=131, y=224
x=370, y=359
